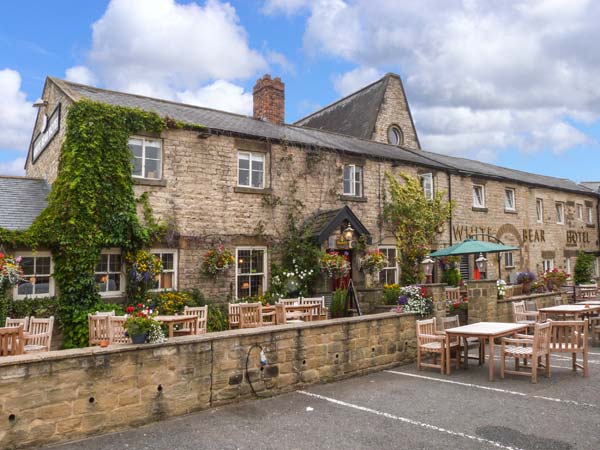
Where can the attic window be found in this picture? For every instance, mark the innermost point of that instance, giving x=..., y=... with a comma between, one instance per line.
x=395, y=136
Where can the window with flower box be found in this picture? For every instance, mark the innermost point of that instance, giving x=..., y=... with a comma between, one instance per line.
x=548, y=264
x=147, y=157
x=37, y=276
x=389, y=274
x=167, y=279
x=109, y=273
x=250, y=274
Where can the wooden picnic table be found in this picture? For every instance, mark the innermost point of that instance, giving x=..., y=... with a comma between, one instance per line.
x=578, y=309
x=171, y=321
x=483, y=331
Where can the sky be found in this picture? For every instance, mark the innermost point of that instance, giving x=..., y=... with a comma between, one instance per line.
x=511, y=82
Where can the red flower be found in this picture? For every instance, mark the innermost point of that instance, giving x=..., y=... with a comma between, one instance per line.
x=129, y=309
x=139, y=305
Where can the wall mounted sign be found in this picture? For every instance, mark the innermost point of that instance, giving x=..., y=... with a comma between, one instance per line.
x=49, y=129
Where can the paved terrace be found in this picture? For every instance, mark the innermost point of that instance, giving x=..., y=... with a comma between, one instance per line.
x=400, y=408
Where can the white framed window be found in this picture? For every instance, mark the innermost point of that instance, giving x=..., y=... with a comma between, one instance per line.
x=539, y=210
x=37, y=276
x=560, y=213
x=389, y=274
x=508, y=260
x=589, y=215
x=478, y=196
x=250, y=272
x=353, y=180
x=109, y=273
x=395, y=135
x=167, y=280
x=579, y=211
x=427, y=185
x=147, y=157
x=251, y=170
x=568, y=265
x=509, y=199
x=548, y=264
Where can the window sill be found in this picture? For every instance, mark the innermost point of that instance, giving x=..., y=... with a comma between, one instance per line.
x=352, y=198
x=112, y=294
x=479, y=209
x=510, y=211
x=249, y=190
x=149, y=182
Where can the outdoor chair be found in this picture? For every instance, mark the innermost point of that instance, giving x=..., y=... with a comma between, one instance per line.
x=319, y=311
x=199, y=311
x=289, y=301
x=281, y=315
x=16, y=322
x=453, y=294
x=39, y=336
x=105, y=313
x=98, y=329
x=587, y=291
x=116, y=330
x=571, y=337
x=472, y=342
x=251, y=315
x=521, y=315
x=429, y=340
x=11, y=341
x=233, y=310
x=527, y=348
x=530, y=305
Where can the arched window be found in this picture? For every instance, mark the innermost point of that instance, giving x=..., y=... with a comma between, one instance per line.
x=395, y=136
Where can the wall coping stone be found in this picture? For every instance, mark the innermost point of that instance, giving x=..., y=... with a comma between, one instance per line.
x=57, y=355
x=528, y=297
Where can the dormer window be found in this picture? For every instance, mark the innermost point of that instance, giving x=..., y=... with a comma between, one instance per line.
x=395, y=135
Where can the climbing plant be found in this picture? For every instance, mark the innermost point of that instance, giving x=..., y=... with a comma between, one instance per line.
x=415, y=220
x=92, y=204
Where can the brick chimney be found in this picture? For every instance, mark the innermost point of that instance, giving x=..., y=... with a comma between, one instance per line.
x=269, y=99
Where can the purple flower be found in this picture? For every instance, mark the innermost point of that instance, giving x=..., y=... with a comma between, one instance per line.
x=402, y=300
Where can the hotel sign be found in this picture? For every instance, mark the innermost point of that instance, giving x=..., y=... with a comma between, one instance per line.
x=574, y=238
x=50, y=127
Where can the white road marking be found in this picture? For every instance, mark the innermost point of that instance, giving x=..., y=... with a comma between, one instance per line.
x=579, y=358
x=493, y=389
x=409, y=421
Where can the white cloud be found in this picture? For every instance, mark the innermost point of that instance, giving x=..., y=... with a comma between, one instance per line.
x=355, y=79
x=220, y=95
x=81, y=75
x=287, y=7
x=14, y=167
x=165, y=46
x=481, y=75
x=16, y=113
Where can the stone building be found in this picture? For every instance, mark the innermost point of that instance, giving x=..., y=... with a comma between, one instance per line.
x=231, y=184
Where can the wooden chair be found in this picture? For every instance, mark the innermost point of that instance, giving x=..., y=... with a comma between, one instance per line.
x=320, y=312
x=199, y=311
x=472, y=342
x=12, y=341
x=39, y=336
x=105, y=313
x=281, y=315
x=430, y=341
x=99, y=329
x=527, y=348
x=116, y=330
x=233, y=310
x=571, y=337
x=530, y=305
x=444, y=324
x=453, y=294
x=289, y=301
x=587, y=291
x=24, y=322
x=251, y=315
x=521, y=315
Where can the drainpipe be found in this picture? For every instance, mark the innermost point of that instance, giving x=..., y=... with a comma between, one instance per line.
x=450, y=200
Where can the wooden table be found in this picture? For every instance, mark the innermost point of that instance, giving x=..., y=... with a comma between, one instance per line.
x=576, y=310
x=171, y=321
x=294, y=312
x=483, y=331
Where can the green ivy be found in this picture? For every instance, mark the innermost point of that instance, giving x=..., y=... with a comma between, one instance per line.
x=91, y=206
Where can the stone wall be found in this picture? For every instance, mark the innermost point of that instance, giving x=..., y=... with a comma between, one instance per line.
x=70, y=394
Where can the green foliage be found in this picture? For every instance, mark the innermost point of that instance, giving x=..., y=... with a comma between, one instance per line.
x=39, y=307
x=584, y=268
x=218, y=318
x=73, y=321
x=338, y=302
x=415, y=221
x=451, y=276
x=391, y=292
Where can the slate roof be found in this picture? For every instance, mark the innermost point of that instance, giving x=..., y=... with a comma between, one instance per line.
x=221, y=121
x=593, y=185
x=324, y=223
x=354, y=115
x=21, y=201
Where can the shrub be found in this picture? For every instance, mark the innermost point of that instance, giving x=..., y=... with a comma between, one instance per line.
x=391, y=292
x=452, y=277
x=338, y=302
x=584, y=269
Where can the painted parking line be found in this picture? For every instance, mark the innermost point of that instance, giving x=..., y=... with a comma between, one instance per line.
x=567, y=358
x=410, y=421
x=493, y=389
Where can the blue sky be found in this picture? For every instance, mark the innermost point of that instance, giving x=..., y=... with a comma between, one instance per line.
x=510, y=82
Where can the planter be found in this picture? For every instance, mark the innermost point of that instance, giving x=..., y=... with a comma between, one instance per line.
x=138, y=338
x=526, y=288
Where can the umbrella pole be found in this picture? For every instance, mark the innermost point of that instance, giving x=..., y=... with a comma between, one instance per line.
x=499, y=267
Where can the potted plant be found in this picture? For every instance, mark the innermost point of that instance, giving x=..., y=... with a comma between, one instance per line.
x=141, y=326
x=217, y=261
x=554, y=279
x=525, y=279
x=501, y=285
x=335, y=264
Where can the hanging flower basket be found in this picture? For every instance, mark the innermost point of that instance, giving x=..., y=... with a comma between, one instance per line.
x=217, y=261
x=373, y=262
x=335, y=264
x=11, y=272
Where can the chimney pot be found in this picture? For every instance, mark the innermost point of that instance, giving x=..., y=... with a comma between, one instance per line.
x=269, y=99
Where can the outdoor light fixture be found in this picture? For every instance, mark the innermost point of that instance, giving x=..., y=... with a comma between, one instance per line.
x=348, y=233
x=481, y=263
x=428, y=264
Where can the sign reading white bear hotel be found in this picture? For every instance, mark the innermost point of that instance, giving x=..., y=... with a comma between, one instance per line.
x=49, y=130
